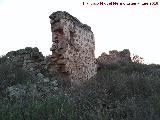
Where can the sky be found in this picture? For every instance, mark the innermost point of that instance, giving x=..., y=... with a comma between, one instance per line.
x=26, y=23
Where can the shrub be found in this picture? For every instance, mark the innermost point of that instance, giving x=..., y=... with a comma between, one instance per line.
x=11, y=74
x=52, y=108
x=3, y=59
x=137, y=59
x=126, y=93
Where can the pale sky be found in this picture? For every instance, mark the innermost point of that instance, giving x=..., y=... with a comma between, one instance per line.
x=25, y=23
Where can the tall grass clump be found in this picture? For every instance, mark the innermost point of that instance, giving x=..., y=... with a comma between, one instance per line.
x=130, y=92
x=52, y=108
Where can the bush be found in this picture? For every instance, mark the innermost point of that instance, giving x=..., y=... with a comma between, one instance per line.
x=127, y=93
x=3, y=59
x=11, y=74
x=52, y=108
x=137, y=59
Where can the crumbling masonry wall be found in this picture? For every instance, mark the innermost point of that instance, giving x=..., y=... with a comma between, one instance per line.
x=114, y=57
x=73, y=49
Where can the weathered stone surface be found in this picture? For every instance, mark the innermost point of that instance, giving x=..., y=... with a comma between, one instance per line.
x=57, y=16
x=40, y=76
x=45, y=86
x=29, y=59
x=72, y=49
x=16, y=91
x=114, y=57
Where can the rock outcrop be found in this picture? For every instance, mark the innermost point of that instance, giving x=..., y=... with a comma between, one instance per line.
x=29, y=59
x=73, y=58
x=114, y=57
x=25, y=74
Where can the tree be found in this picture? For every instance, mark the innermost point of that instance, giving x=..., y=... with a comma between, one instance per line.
x=137, y=59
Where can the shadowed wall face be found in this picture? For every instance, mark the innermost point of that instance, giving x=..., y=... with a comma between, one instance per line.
x=72, y=49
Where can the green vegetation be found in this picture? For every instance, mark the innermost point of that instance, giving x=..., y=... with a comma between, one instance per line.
x=130, y=92
x=124, y=92
x=11, y=74
x=52, y=108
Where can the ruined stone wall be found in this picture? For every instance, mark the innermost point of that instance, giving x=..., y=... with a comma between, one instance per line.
x=114, y=57
x=29, y=59
x=72, y=49
x=25, y=75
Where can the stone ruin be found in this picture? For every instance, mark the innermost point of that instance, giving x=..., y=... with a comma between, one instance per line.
x=27, y=74
x=114, y=57
x=26, y=58
x=73, y=59
x=29, y=59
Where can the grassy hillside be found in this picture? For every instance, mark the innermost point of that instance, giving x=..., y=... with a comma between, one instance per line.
x=118, y=92
x=130, y=92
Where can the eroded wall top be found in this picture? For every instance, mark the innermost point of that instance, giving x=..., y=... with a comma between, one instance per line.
x=57, y=16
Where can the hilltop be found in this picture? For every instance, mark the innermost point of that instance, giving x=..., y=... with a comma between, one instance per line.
x=119, y=91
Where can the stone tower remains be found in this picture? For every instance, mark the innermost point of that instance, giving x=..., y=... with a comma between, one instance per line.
x=73, y=58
